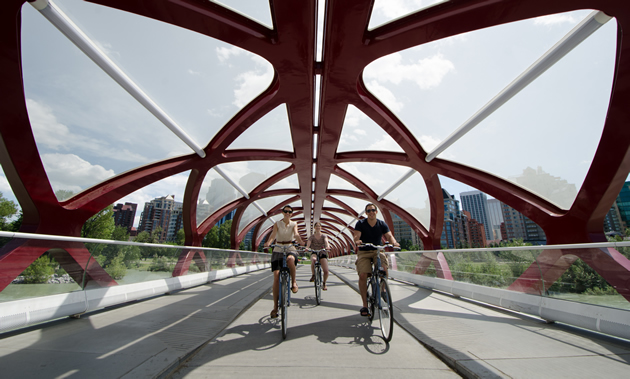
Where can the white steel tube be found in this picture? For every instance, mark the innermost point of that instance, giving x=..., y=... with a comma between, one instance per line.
x=65, y=25
x=576, y=36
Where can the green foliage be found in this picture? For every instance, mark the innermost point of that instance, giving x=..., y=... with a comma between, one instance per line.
x=161, y=264
x=39, y=271
x=8, y=209
x=117, y=269
x=153, y=237
x=212, y=238
x=63, y=194
x=180, y=240
x=99, y=226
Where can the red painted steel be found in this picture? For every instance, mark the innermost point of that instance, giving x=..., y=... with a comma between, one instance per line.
x=348, y=48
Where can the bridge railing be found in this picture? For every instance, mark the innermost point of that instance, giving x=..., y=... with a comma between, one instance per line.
x=518, y=279
x=79, y=275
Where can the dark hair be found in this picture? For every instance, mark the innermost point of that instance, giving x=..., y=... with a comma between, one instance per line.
x=288, y=206
x=371, y=204
x=317, y=222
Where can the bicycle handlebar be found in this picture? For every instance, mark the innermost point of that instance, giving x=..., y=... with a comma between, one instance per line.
x=379, y=247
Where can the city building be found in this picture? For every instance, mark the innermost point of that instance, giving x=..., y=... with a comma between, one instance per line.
x=495, y=215
x=517, y=226
x=613, y=225
x=476, y=202
x=477, y=232
x=402, y=231
x=623, y=204
x=124, y=215
x=455, y=231
x=157, y=214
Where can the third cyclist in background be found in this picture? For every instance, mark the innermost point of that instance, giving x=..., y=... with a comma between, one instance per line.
x=370, y=230
x=319, y=241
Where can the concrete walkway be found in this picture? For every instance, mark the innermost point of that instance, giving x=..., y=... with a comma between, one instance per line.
x=487, y=342
x=223, y=329
x=329, y=340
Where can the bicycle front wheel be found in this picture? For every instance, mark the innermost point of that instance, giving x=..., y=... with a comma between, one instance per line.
x=318, y=285
x=284, y=302
x=386, y=312
x=371, y=299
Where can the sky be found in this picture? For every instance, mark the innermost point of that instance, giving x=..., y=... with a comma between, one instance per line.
x=88, y=129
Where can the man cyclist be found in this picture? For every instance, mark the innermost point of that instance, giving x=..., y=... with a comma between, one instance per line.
x=370, y=230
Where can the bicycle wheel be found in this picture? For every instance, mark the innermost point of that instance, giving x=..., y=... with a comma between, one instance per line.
x=386, y=312
x=284, y=302
x=370, y=299
x=318, y=284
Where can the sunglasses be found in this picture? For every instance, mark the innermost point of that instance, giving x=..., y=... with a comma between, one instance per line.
x=289, y=212
x=371, y=211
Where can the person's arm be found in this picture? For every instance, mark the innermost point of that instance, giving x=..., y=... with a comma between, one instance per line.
x=297, y=235
x=357, y=237
x=272, y=236
x=326, y=244
x=390, y=237
x=308, y=242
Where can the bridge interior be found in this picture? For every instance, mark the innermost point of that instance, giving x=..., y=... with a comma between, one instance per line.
x=223, y=329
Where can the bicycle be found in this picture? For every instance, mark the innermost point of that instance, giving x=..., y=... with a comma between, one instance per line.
x=318, y=276
x=383, y=302
x=284, y=292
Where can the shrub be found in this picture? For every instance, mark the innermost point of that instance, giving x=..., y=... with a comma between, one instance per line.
x=39, y=271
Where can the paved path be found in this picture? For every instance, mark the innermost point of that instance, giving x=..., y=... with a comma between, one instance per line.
x=330, y=340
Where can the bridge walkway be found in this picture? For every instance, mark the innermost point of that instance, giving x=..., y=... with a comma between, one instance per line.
x=223, y=329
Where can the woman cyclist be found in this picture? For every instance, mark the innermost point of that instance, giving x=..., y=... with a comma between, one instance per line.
x=284, y=232
x=319, y=241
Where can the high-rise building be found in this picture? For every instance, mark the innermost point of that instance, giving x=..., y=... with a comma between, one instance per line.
x=402, y=231
x=124, y=215
x=623, y=204
x=613, y=223
x=476, y=231
x=157, y=213
x=455, y=232
x=517, y=226
x=495, y=216
x=176, y=222
x=476, y=202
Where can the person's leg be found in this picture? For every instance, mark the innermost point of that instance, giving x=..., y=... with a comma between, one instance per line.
x=324, y=263
x=363, y=288
x=313, y=260
x=291, y=266
x=276, y=285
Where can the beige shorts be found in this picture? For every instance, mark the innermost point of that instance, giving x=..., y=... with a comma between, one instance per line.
x=365, y=258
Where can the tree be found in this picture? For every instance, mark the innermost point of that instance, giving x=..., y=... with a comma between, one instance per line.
x=212, y=238
x=63, y=194
x=225, y=235
x=100, y=226
x=8, y=209
x=180, y=239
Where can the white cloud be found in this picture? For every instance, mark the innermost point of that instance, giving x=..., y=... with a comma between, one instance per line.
x=386, y=96
x=224, y=53
x=251, y=84
x=427, y=73
x=428, y=142
x=555, y=19
x=385, y=143
x=193, y=72
x=70, y=172
x=397, y=8
x=50, y=133
x=360, y=132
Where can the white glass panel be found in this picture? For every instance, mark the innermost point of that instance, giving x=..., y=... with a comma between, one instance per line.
x=87, y=128
x=442, y=84
x=388, y=10
x=255, y=9
x=357, y=205
x=413, y=197
x=378, y=176
x=545, y=138
x=172, y=186
x=337, y=182
x=250, y=174
x=361, y=133
x=215, y=193
x=290, y=182
x=272, y=131
x=252, y=211
x=346, y=218
x=199, y=81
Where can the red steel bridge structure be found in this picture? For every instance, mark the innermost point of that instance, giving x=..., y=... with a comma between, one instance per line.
x=348, y=47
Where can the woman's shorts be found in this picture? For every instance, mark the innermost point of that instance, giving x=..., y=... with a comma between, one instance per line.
x=322, y=255
x=277, y=264
x=365, y=259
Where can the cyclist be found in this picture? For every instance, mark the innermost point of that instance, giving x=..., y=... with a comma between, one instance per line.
x=370, y=230
x=319, y=241
x=284, y=232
